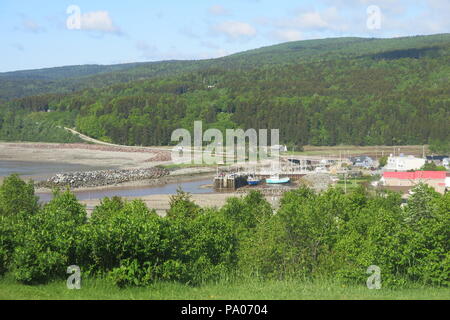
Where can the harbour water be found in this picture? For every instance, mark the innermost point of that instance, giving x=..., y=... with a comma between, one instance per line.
x=170, y=188
x=42, y=170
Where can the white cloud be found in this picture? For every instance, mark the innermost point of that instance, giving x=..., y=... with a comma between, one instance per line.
x=18, y=46
x=328, y=18
x=218, y=10
x=30, y=25
x=148, y=51
x=288, y=35
x=235, y=29
x=98, y=21
x=311, y=20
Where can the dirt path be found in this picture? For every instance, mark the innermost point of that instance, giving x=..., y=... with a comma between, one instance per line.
x=92, y=140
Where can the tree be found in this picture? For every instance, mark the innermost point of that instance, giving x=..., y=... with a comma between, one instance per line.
x=181, y=206
x=383, y=161
x=440, y=146
x=17, y=196
x=431, y=166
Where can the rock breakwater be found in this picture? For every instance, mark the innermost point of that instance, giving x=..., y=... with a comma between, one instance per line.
x=100, y=178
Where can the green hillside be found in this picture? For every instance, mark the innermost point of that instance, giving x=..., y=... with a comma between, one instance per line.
x=320, y=92
x=73, y=78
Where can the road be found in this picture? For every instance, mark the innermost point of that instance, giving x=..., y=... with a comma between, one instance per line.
x=92, y=140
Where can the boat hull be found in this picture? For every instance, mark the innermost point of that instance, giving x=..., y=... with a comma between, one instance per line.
x=278, y=181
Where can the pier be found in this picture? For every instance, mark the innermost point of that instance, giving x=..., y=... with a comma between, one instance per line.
x=230, y=182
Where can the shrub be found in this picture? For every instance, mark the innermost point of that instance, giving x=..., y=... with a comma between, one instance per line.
x=7, y=242
x=246, y=213
x=128, y=231
x=46, y=241
x=210, y=250
x=426, y=252
x=181, y=206
x=17, y=196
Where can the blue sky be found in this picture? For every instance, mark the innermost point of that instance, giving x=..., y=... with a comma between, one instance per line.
x=35, y=34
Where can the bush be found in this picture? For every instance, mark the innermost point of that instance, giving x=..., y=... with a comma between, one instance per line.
x=137, y=247
x=46, y=241
x=210, y=250
x=17, y=203
x=17, y=196
x=118, y=231
x=330, y=234
x=7, y=242
x=426, y=252
x=246, y=213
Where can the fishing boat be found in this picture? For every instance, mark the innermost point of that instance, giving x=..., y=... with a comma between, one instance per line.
x=275, y=179
x=253, y=181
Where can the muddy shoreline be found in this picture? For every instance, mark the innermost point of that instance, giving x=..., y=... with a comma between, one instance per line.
x=141, y=183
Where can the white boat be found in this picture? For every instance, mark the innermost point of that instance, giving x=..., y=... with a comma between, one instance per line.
x=275, y=179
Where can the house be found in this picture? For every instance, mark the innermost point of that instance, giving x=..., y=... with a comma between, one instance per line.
x=438, y=160
x=446, y=163
x=435, y=179
x=362, y=161
x=404, y=163
x=279, y=148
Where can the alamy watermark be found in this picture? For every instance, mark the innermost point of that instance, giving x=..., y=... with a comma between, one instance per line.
x=374, y=281
x=74, y=280
x=73, y=22
x=238, y=146
x=373, y=17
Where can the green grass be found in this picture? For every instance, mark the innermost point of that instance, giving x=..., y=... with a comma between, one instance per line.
x=93, y=289
x=352, y=183
x=174, y=166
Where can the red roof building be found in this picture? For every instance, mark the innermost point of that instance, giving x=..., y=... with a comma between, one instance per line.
x=435, y=179
x=433, y=175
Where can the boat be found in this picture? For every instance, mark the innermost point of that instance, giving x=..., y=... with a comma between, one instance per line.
x=275, y=179
x=253, y=181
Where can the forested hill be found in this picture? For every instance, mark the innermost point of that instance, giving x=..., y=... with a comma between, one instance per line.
x=320, y=92
x=74, y=78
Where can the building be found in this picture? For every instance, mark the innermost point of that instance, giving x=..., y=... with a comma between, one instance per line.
x=363, y=162
x=404, y=163
x=438, y=160
x=446, y=163
x=435, y=179
x=279, y=148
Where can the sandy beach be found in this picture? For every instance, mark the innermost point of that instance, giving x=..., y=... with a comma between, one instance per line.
x=89, y=155
x=160, y=202
x=99, y=156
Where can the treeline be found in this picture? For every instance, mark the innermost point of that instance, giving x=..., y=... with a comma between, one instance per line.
x=75, y=78
x=16, y=125
x=328, y=235
x=353, y=91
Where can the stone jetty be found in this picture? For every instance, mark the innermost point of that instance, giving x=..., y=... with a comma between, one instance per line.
x=101, y=178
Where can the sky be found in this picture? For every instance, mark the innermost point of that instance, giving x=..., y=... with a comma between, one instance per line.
x=50, y=33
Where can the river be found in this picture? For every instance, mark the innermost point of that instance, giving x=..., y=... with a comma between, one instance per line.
x=40, y=171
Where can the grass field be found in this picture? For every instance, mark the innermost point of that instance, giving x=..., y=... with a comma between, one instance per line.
x=277, y=290
x=347, y=151
x=352, y=183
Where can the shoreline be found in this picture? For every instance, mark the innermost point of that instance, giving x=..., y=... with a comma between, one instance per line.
x=150, y=183
x=161, y=202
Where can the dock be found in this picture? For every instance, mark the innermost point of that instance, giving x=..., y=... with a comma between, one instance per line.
x=230, y=182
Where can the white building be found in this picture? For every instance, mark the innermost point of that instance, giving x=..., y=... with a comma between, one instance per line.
x=280, y=148
x=446, y=163
x=404, y=163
